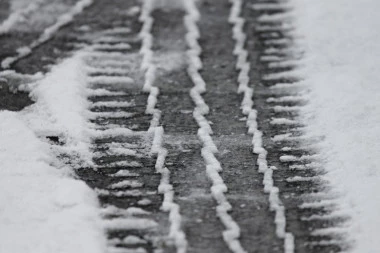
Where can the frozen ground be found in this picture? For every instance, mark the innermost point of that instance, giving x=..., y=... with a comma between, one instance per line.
x=341, y=40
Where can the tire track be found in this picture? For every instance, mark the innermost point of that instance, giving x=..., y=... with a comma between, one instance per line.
x=130, y=160
x=128, y=172
x=231, y=234
x=123, y=174
x=14, y=17
x=244, y=182
x=202, y=227
x=82, y=31
x=312, y=213
x=47, y=34
x=244, y=66
x=165, y=187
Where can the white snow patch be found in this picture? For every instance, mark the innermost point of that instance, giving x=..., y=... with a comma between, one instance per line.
x=130, y=211
x=144, y=202
x=125, y=173
x=342, y=44
x=129, y=223
x=61, y=107
x=129, y=240
x=125, y=250
x=126, y=183
x=44, y=210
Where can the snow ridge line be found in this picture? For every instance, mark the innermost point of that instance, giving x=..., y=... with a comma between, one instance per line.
x=232, y=233
x=243, y=79
x=16, y=16
x=165, y=187
x=48, y=33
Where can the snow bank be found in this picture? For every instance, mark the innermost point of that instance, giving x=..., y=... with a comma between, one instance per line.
x=43, y=210
x=61, y=107
x=342, y=56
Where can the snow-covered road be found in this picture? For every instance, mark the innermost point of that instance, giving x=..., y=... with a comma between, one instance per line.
x=189, y=126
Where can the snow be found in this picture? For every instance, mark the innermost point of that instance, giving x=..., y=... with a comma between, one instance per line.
x=243, y=67
x=111, y=80
x=122, y=164
x=283, y=121
x=128, y=240
x=126, y=183
x=119, y=194
x=61, y=107
x=19, y=14
x=130, y=211
x=47, y=33
x=104, y=92
x=44, y=209
x=117, y=46
x=271, y=6
x=125, y=173
x=144, y=202
x=125, y=250
x=231, y=234
x=147, y=65
x=115, y=104
x=110, y=115
x=133, y=240
x=341, y=41
x=129, y=223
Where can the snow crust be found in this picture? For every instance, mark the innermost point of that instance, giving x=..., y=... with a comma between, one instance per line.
x=43, y=208
x=341, y=41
